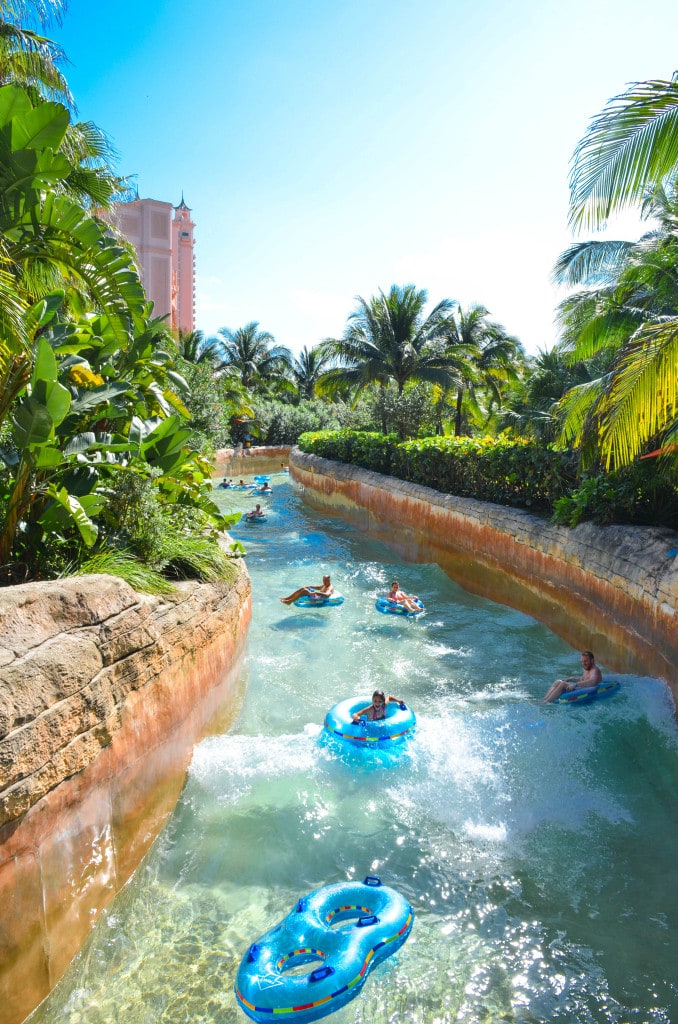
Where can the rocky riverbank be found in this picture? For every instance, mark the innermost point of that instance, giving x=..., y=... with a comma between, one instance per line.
x=103, y=694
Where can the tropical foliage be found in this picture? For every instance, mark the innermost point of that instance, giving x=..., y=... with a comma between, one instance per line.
x=628, y=156
x=486, y=359
x=505, y=470
x=254, y=356
x=534, y=406
x=90, y=394
x=307, y=371
x=107, y=422
x=626, y=317
x=390, y=338
x=630, y=148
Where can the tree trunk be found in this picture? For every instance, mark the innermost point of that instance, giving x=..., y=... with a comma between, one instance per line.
x=457, y=419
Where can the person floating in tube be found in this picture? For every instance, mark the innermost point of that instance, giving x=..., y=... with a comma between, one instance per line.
x=376, y=711
x=324, y=590
x=256, y=513
x=408, y=601
x=591, y=676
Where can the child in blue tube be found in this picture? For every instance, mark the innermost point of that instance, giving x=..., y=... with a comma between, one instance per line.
x=376, y=711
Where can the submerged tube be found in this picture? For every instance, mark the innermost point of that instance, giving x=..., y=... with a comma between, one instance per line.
x=344, y=930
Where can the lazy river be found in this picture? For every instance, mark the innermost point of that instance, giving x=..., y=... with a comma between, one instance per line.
x=536, y=844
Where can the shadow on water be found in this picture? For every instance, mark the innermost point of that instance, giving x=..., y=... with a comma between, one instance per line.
x=311, y=620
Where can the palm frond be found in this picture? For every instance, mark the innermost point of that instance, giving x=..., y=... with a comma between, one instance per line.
x=629, y=147
x=576, y=408
x=643, y=394
x=590, y=263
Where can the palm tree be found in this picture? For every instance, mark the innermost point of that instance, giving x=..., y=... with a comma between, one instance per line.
x=484, y=355
x=28, y=58
x=630, y=148
x=194, y=347
x=32, y=61
x=535, y=408
x=307, y=370
x=254, y=355
x=388, y=338
x=627, y=315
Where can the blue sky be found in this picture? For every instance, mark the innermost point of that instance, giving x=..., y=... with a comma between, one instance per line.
x=331, y=149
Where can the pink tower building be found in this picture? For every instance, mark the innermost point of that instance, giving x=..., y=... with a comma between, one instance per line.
x=183, y=269
x=162, y=236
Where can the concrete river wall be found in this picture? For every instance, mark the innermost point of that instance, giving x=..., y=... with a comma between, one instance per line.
x=612, y=589
x=103, y=693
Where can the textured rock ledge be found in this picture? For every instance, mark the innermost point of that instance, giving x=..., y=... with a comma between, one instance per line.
x=103, y=693
x=612, y=589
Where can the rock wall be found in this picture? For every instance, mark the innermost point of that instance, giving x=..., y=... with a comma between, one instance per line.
x=103, y=693
x=612, y=589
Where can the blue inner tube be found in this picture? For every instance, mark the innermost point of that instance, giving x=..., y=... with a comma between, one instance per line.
x=261, y=479
x=586, y=694
x=253, y=519
x=340, y=932
x=382, y=604
x=397, y=726
x=319, y=600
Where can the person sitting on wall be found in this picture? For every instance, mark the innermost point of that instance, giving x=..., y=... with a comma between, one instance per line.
x=325, y=590
x=591, y=676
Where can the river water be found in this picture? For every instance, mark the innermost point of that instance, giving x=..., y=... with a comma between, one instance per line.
x=537, y=844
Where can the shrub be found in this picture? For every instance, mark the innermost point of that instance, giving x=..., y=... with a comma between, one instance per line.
x=503, y=470
x=282, y=424
x=209, y=411
x=636, y=494
x=507, y=471
x=362, y=447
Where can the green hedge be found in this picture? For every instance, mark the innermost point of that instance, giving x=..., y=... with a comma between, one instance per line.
x=515, y=472
x=359, y=447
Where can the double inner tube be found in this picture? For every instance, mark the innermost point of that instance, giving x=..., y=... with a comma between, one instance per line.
x=340, y=932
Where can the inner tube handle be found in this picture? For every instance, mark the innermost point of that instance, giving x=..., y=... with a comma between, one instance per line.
x=366, y=920
x=372, y=880
x=321, y=972
x=252, y=953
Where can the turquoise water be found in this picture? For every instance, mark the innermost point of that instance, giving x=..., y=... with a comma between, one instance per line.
x=538, y=845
